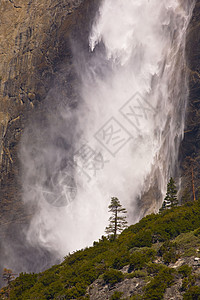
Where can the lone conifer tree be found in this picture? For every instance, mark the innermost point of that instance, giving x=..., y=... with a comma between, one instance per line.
x=117, y=221
x=8, y=275
x=171, y=195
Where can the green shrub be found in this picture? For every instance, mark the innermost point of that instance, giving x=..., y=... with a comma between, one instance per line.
x=187, y=282
x=22, y=283
x=122, y=259
x=71, y=278
x=116, y=296
x=142, y=239
x=188, y=242
x=197, y=232
x=112, y=276
x=136, y=297
x=71, y=293
x=140, y=274
x=137, y=274
x=193, y=293
x=168, y=252
x=52, y=290
x=190, y=252
x=157, y=286
x=185, y=270
x=138, y=259
x=189, y=203
x=153, y=268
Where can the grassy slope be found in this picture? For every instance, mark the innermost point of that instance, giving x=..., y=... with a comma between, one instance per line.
x=165, y=236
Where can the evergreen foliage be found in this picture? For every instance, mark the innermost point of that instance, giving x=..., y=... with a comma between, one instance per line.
x=193, y=293
x=117, y=296
x=117, y=221
x=70, y=279
x=171, y=196
x=157, y=286
x=112, y=276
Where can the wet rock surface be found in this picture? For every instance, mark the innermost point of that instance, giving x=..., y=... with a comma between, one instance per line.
x=190, y=147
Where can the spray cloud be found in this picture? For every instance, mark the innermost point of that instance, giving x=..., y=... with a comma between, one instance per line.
x=124, y=132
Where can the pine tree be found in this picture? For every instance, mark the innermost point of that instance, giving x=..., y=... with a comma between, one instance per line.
x=8, y=275
x=171, y=196
x=117, y=221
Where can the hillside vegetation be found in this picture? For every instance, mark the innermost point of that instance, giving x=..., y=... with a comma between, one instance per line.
x=148, y=251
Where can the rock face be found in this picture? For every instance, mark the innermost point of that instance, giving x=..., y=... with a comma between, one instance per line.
x=130, y=287
x=34, y=41
x=98, y=290
x=190, y=147
x=35, y=51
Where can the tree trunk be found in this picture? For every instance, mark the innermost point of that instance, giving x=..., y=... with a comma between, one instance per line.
x=193, y=188
x=115, y=229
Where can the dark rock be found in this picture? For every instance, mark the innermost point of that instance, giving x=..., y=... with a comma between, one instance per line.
x=35, y=53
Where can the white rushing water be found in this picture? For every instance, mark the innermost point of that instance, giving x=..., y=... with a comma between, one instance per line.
x=128, y=126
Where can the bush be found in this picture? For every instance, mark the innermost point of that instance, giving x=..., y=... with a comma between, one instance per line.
x=197, y=232
x=136, y=297
x=116, y=296
x=137, y=261
x=71, y=278
x=185, y=270
x=139, y=258
x=142, y=239
x=22, y=283
x=112, y=277
x=188, y=243
x=185, y=283
x=122, y=259
x=153, y=268
x=193, y=293
x=168, y=252
x=188, y=282
x=137, y=274
x=157, y=286
x=190, y=252
x=140, y=274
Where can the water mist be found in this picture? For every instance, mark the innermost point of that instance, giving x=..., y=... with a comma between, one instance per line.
x=124, y=133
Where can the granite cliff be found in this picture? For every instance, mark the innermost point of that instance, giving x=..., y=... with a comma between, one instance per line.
x=35, y=52
x=189, y=150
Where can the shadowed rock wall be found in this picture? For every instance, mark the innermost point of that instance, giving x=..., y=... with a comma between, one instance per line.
x=190, y=147
x=36, y=41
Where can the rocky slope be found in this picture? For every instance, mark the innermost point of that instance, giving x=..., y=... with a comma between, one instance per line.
x=132, y=288
x=157, y=258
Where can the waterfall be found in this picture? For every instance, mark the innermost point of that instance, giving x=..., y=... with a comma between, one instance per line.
x=123, y=136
